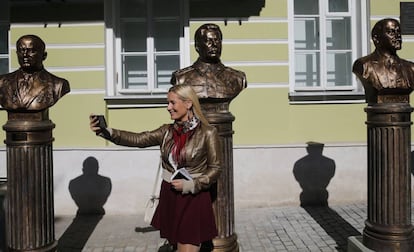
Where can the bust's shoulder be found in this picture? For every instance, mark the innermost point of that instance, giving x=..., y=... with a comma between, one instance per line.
x=184, y=70
x=234, y=72
x=407, y=62
x=44, y=74
x=368, y=59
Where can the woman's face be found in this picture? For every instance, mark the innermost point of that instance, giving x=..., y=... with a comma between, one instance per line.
x=178, y=108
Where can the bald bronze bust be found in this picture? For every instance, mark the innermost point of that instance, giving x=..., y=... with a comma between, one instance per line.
x=210, y=78
x=31, y=87
x=382, y=73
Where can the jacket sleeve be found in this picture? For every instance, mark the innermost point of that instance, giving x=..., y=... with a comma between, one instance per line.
x=211, y=174
x=141, y=140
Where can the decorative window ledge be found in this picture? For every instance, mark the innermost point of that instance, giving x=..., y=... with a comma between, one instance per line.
x=326, y=97
x=137, y=101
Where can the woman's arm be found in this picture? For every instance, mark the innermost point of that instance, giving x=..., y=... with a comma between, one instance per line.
x=128, y=138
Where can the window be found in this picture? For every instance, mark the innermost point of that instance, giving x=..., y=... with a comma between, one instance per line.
x=324, y=48
x=4, y=48
x=148, y=46
x=4, y=37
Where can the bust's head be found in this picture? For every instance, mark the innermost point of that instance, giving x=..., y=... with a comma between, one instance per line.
x=31, y=52
x=208, y=38
x=386, y=35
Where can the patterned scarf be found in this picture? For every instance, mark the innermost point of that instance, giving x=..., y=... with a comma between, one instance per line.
x=181, y=133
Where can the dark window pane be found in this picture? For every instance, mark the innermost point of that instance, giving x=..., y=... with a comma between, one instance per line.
x=170, y=8
x=165, y=65
x=133, y=8
x=4, y=65
x=306, y=7
x=338, y=5
x=4, y=48
x=134, y=37
x=167, y=36
x=135, y=72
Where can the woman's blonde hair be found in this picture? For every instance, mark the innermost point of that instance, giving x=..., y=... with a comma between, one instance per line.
x=185, y=92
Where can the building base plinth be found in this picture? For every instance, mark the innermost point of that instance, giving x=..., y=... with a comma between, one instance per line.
x=355, y=245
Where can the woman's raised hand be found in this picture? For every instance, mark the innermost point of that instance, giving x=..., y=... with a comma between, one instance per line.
x=94, y=124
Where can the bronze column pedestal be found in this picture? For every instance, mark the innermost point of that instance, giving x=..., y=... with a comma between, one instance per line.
x=388, y=226
x=218, y=115
x=30, y=209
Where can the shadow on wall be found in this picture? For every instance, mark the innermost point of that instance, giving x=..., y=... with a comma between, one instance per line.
x=90, y=192
x=313, y=173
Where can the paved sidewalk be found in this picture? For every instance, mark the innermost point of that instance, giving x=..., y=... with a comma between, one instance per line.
x=258, y=230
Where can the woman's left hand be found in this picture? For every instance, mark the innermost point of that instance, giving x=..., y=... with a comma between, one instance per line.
x=177, y=184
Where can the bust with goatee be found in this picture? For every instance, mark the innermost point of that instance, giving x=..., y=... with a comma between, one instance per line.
x=385, y=76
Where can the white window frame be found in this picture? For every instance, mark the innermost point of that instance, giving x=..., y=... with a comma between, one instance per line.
x=358, y=11
x=4, y=21
x=116, y=96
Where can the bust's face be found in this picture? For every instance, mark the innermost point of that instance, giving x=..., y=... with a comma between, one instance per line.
x=391, y=37
x=30, y=55
x=209, y=47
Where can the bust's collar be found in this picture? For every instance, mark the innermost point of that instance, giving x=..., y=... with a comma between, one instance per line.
x=203, y=67
x=385, y=57
x=20, y=70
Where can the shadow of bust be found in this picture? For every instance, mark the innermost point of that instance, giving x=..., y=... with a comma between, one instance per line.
x=313, y=173
x=90, y=190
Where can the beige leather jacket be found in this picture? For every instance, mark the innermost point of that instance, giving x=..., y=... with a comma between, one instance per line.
x=203, y=151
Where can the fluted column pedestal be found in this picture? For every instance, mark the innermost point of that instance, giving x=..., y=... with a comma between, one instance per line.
x=388, y=226
x=218, y=115
x=30, y=209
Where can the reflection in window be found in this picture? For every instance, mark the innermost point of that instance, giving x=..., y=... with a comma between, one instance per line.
x=338, y=5
x=307, y=69
x=339, y=72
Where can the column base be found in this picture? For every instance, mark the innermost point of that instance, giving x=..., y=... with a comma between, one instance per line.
x=48, y=248
x=227, y=244
x=390, y=242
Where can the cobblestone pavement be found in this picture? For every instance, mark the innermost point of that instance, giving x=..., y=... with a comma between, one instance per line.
x=258, y=229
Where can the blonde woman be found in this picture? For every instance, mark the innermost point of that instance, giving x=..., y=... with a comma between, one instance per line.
x=184, y=214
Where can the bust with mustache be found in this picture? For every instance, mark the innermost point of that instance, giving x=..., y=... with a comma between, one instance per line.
x=382, y=73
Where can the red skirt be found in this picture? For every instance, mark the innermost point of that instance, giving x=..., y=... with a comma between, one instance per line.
x=184, y=218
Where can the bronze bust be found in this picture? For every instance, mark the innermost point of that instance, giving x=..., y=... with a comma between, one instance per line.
x=382, y=73
x=31, y=87
x=209, y=78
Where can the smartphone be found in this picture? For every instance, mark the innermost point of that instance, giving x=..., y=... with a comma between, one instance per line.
x=102, y=122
